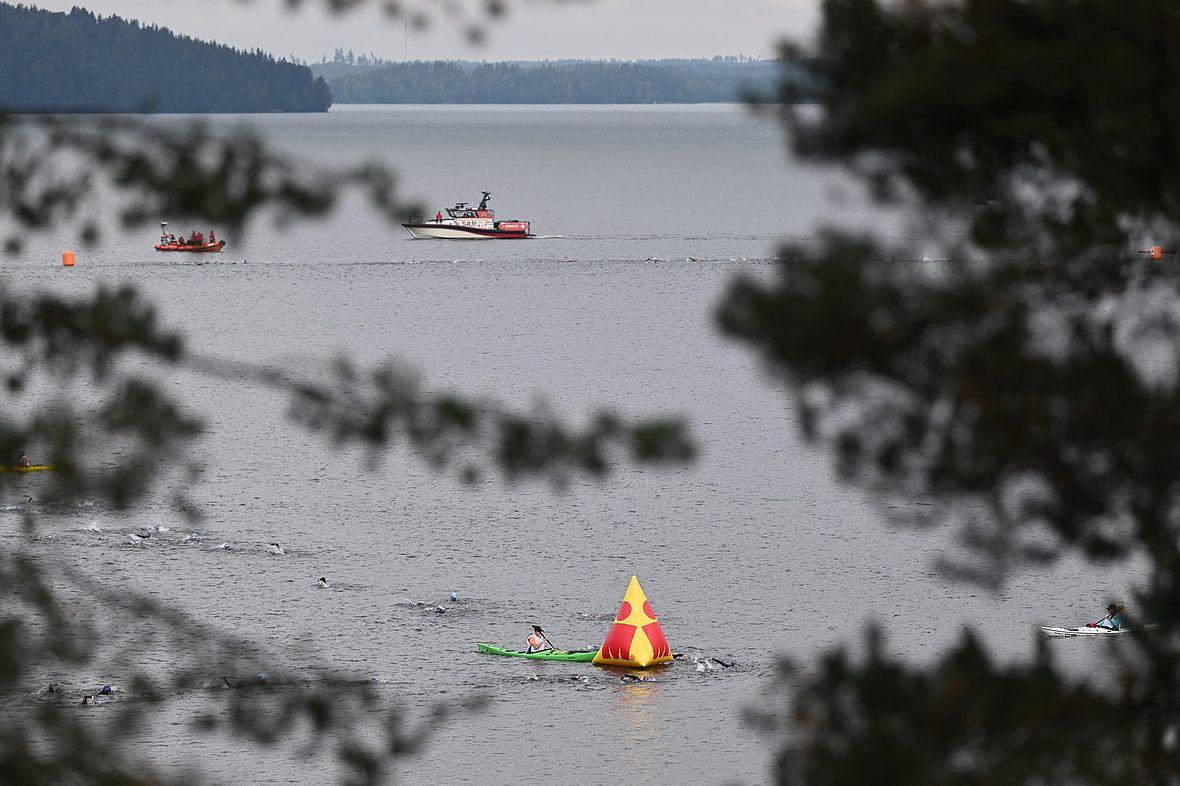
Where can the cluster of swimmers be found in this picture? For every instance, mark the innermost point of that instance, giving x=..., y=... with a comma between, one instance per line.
x=137, y=538
x=89, y=700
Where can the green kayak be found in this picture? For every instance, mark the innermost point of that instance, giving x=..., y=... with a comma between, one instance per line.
x=577, y=657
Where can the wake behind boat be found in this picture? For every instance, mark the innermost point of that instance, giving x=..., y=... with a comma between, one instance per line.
x=469, y=223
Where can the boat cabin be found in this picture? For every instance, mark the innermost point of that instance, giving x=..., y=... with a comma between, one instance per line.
x=464, y=215
x=460, y=210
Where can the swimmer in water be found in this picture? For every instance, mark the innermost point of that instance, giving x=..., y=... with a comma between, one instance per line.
x=193, y=537
x=56, y=687
x=89, y=701
x=225, y=547
x=274, y=548
x=454, y=597
x=636, y=678
x=321, y=583
x=106, y=690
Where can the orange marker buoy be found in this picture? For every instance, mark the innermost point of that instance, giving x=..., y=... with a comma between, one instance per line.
x=67, y=259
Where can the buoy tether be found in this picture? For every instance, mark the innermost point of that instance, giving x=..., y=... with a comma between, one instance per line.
x=635, y=639
x=67, y=259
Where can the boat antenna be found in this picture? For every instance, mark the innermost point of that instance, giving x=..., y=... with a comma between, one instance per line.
x=483, y=203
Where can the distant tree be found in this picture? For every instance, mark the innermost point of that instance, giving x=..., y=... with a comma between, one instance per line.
x=681, y=81
x=111, y=65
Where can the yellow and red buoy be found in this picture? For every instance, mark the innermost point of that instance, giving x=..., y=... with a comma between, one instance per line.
x=635, y=639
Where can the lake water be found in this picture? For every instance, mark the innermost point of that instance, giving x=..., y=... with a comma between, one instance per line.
x=753, y=552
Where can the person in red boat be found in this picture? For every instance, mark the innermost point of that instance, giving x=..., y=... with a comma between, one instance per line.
x=212, y=237
x=438, y=217
x=192, y=238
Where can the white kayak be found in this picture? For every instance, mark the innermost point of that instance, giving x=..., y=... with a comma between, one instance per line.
x=1086, y=631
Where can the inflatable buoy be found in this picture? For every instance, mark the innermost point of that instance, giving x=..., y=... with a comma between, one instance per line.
x=635, y=639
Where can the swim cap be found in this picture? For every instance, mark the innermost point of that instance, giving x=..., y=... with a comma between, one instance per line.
x=262, y=676
x=106, y=689
x=454, y=596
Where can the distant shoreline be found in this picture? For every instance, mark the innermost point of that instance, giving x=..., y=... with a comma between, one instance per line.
x=532, y=83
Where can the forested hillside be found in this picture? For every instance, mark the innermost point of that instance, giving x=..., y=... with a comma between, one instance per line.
x=560, y=82
x=78, y=62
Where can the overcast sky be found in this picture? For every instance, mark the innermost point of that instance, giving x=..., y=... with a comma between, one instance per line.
x=531, y=30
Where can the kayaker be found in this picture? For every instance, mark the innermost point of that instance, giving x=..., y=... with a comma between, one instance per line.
x=1113, y=619
x=537, y=641
x=23, y=460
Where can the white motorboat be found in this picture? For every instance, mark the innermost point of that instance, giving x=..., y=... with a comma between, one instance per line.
x=463, y=222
